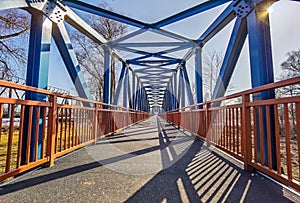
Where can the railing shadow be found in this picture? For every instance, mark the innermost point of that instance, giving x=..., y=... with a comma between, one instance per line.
x=202, y=175
x=191, y=172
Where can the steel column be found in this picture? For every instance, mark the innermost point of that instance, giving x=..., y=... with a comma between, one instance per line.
x=125, y=89
x=119, y=86
x=176, y=98
x=37, y=76
x=107, y=76
x=182, y=88
x=198, y=75
x=132, y=98
x=262, y=71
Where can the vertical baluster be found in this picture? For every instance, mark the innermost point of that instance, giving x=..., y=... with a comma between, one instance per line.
x=287, y=141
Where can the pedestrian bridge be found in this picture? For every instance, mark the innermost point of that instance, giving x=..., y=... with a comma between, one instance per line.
x=151, y=137
x=151, y=161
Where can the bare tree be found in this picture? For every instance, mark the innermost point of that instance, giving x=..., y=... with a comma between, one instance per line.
x=212, y=63
x=290, y=69
x=90, y=55
x=14, y=25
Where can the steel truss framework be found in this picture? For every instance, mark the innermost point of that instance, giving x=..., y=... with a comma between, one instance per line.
x=160, y=79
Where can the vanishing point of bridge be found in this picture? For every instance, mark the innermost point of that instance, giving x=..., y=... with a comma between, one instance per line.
x=153, y=139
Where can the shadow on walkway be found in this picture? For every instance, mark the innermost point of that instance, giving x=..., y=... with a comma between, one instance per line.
x=182, y=170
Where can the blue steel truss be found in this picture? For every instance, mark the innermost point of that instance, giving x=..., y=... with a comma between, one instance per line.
x=157, y=78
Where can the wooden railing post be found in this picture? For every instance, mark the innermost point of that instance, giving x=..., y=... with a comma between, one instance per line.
x=246, y=132
x=52, y=115
x=95, y=123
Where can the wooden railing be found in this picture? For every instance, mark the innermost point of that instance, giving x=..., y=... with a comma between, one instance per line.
x=264, y=134
x=52, y=128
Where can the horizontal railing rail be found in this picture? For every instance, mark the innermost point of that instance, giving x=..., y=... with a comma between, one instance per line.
x=37, y=132
x=264, y=134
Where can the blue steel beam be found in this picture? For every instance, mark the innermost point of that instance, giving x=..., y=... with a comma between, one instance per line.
x=37, y=76
x=189, y=12
x=175, y=101
x=107, y=77
x=262, y=73
x=104, y=13
x=65, y=48
x=181, y=89
x=187, y=84
x=125, y=89
x=198, y=75
x=119, y=86
x=132, y=98
x=223, y=19
x=153, y=44
x=126, y=37
x=233, y=51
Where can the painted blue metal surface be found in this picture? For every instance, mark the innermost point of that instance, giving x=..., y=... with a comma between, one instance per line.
x=187, y=84
x=262, y=72
x=107, y=77
x=125, y=89
x=120, y=84
x=176, y=98
x=233, y=51
x=223, y=19
x=37, y=76
x=132, y=98
x=181, y=89
x=67, y=53
x=198, y=75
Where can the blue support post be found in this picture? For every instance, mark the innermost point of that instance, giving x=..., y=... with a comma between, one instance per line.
x=176, y=98
x=107, y=76
x=120, y=82
x=37, y=76
x=125, y=89
x=181, y=88
x=132, y=98
x=172, y=94
x=187, y=85
x=198, y=76
x=129, y=90
x=137, y=97
x=68, y=55
x=262, y=73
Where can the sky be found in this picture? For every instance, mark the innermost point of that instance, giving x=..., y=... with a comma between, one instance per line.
x=285, y=31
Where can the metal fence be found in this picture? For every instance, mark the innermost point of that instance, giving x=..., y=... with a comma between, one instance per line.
x=46, y=130
x=264, y=134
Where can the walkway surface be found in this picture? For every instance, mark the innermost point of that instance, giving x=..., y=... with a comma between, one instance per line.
x=149, y=162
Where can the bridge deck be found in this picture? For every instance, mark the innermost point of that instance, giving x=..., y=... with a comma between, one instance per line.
x=149, y=162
